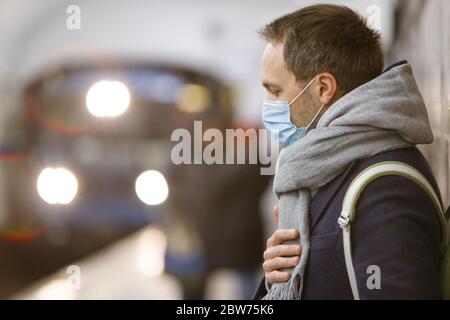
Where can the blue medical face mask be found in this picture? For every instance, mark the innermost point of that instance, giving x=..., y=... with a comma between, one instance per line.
x=276, y=117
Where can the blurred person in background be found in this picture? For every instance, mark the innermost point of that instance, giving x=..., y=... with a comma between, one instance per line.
x=214, y=221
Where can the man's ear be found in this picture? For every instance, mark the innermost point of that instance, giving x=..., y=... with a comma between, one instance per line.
x=327, y=88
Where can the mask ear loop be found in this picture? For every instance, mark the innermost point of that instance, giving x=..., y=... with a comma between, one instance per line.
x=303, y=91
x=315, y=117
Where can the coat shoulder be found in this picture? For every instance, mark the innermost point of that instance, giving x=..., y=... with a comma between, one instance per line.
x=393, y=213
x=411, y=156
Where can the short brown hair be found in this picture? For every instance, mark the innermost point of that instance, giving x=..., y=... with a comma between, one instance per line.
x=328, y=38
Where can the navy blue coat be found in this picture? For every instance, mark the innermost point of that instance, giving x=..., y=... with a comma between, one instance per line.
x=396, y=228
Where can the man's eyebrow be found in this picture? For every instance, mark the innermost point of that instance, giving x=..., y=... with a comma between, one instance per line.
x=269, y=85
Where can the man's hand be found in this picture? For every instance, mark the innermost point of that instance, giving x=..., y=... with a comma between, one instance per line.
x=278, y=256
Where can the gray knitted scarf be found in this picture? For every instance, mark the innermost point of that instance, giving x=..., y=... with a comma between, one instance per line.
x=384, y=114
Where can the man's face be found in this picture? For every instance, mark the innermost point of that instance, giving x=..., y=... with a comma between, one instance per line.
x=281, y=85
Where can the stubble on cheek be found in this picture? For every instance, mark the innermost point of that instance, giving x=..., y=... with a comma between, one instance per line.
x=302, y=112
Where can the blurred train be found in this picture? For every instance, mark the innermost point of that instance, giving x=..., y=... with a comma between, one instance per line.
x=77, y=176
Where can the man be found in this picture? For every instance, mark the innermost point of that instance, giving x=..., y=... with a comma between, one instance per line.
x=336, y=112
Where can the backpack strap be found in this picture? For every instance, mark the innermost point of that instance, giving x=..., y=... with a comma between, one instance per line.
x=356, y=188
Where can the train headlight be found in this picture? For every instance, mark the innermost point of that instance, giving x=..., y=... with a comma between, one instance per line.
x=108, y=99
x=57, y=185
x=151, y=187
